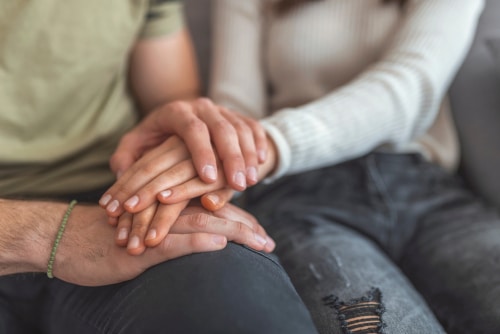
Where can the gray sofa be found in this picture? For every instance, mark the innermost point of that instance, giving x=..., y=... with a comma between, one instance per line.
x=475, y=94
x=475, y=97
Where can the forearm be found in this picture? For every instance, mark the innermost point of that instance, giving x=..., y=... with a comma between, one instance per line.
x=163, y=70
x=28, y=230
x=238, y=79
x=392, y=103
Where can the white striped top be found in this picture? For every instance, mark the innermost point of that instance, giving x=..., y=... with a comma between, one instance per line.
x=335, y=79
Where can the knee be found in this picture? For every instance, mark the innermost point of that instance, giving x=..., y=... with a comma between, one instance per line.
x=235, y=290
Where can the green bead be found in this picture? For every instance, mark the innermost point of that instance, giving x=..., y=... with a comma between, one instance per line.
x=60, y=232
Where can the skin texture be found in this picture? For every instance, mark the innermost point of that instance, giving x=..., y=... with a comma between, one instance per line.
x=215, y=195
x=172, y=186
x=177, y=142
x=145, y=152
x=87, y=254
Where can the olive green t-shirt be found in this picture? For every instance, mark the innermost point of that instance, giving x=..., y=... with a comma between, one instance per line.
x=64, y=102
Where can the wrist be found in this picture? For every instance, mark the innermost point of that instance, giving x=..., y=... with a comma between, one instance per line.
x=28, y=231
x=271, y=162
x=60, y=232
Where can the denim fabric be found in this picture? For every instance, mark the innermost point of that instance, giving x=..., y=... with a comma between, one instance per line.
x=235, y=290
x=395, y=224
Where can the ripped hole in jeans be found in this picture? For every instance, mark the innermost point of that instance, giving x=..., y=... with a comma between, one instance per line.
x=361, y=315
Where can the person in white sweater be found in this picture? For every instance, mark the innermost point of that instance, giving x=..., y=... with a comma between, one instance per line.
x=362, y=201
x=359, y=189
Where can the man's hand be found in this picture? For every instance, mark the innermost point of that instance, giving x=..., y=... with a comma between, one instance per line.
x=87, y=253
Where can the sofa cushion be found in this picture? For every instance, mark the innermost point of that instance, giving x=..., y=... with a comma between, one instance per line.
x=475, y=98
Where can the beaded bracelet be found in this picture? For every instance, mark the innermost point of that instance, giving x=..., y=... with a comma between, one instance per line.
x=60, y=232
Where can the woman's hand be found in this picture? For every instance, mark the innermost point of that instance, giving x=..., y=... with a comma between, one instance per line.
x=240, y=145
x=179, y=182
x=214, y=196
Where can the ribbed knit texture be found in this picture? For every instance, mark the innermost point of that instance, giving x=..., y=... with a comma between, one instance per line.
x=336, y=79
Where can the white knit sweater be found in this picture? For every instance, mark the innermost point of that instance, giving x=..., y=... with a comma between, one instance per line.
x=336, y=79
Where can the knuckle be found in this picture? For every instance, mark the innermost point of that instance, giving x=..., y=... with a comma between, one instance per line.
x=224, y=126
x=177, y=106
x=200, y=221
x=256, y=126
x=236, y=158
x=139, y=226
x=225, y=226
x=250, y=155
x=123, y=191
x=148, y=168
x=240, y=228
x=204, y=102
x=172, y=174
x=167, y=244
x=252, y=123
x=244, y=233
x=194, y=124
x=241, y=126
x=197, y=241
x=123, y=221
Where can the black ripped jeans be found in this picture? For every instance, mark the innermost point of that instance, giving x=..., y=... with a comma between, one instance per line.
x=393, y=237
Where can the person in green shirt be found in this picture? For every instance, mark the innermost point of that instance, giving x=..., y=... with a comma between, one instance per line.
x=75, y=78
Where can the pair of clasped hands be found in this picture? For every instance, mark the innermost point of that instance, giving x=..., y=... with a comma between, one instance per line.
x=187, y=157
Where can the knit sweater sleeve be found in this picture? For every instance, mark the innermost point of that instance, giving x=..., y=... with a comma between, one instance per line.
x=392, y=103
x=237, y=77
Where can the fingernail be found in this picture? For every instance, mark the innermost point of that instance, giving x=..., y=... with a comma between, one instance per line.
x=252, y=173
x=122, y=235
x=239, y=179
x=113, y=206
x=119, y=173
x=262, y=155
x=105, y=200
x=212, y=198
x=219, y=240
x=270, y=243
x=151, y=234
x=166, y=193
x=209, y=172
x=134, y=242
x=260, y=239
x=132, y=202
